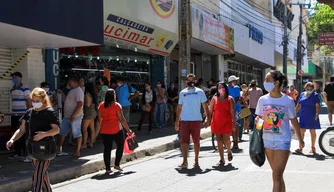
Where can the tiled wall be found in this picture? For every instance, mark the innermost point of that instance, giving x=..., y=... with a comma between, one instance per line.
x=32, y=66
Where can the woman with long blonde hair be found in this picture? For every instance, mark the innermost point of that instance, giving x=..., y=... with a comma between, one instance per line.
x=43, y=123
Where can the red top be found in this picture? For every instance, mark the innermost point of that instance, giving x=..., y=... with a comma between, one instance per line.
x=109, y=120
x=222, y=122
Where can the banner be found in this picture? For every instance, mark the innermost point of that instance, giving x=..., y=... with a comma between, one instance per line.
x=52, y=68
x=148, y=25
x=212, y=31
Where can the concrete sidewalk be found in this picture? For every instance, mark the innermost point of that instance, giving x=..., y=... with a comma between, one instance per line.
x=16, y=176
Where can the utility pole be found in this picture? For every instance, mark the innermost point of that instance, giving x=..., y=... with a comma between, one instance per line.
x=285, y=39
x=185, y=41
x=299, y=80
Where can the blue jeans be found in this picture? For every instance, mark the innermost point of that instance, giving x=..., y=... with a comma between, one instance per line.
x=159, y=113
x=252, y=118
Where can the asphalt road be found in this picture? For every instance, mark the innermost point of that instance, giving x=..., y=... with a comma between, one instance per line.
x=304, y=173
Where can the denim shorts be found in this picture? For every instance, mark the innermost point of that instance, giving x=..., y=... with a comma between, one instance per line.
x=67, y=125
x=277, y=145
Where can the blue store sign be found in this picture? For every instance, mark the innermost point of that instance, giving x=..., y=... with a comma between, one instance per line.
x=52, y=68
x=255, y=34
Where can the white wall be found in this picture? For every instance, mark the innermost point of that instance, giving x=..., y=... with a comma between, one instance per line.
x=247, y=46
x=32, y=67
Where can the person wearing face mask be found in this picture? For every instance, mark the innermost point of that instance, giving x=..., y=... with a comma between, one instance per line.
x=309, y=106
x=222, y=105
x=234, y=91
x=172, y=96
x=160, y=105
x=21, y=101
x=189, y=118
x=244, y=99
x=254, y=94
x=148, y=99
x=43, y=123
x=124, y=96
x=276, y=110
x=51, y=94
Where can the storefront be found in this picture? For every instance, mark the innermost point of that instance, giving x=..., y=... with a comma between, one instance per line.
x=210, y=38
x=29, y=28
x=254, y=45
x=136, y=43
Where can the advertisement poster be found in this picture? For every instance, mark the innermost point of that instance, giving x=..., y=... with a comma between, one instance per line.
x=149, y=25
x=212, y=31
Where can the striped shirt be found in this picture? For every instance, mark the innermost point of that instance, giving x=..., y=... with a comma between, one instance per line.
x=20, y=95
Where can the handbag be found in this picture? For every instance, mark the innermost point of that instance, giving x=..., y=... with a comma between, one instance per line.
x=256, y=147
x=146, y=108
x=44, y=149
x=245, y=112
x=131, y=142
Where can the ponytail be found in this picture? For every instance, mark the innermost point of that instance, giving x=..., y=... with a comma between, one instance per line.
x=109, y=98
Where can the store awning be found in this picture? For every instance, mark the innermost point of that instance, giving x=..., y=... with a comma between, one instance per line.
x=207, y=48
x=328, y=2
x=249, y=61
x=20, y=37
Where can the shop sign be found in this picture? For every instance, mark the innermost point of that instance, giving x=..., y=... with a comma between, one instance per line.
x=326, y=38
x=212, y=31
x=255, y=34
x=52, y=68
x=134, y=34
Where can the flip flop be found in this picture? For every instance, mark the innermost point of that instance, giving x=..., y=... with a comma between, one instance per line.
x=230, y=157
x=183, y=165
x=196, y=165
x=221, y=162
x=118, y=168
x=300, y=151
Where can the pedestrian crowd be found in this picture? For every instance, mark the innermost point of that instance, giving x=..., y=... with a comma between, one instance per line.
x=231, y=109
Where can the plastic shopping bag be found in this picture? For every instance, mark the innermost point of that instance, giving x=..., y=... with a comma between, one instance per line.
x=256, y=147
x=130, y=144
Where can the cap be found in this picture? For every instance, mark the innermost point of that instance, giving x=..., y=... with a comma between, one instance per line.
x=16, y=74
x=233, y=78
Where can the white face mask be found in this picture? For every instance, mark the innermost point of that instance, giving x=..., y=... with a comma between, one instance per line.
x=232, y=84
x=159, y=85
x=46, y=89
x=119, y=84
x=37, y=105
x=269, y=86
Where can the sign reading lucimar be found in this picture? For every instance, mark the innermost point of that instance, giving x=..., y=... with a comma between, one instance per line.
x=211, y=30
x=255, y=34
x=134, y=28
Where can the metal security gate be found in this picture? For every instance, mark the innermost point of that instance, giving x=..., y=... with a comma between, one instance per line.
x=6, y=61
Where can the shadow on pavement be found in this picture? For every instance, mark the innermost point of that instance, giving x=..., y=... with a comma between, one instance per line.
x=316, y=156
x=207, y=148
x=192, y=172
x=112, y=175
x=237, y=150
x=223, y=168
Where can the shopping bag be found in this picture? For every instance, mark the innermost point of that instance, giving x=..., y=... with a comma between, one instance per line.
x=256, y=147
x=130, y=144
x=245, y=112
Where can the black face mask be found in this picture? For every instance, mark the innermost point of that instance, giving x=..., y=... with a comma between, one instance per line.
x=253, y=85
x=191, y=84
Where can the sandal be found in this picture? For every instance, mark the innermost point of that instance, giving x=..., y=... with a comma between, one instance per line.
x=221, y=162
x=196, y=165
x=312, y=150
x=235, y=147
x=299, y=151
x=229, y=156
x=118, y=168
x=183, y=165
x=108, y=171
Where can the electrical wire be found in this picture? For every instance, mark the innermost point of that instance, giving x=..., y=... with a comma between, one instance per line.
x=241, y=22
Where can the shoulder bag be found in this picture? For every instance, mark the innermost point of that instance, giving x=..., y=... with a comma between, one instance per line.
x=45, y=149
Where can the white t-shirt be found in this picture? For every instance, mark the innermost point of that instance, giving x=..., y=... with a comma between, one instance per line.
x=276, y=113
x=71, y=102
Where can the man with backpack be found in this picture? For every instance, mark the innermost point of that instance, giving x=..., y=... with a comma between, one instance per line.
x=124, y=97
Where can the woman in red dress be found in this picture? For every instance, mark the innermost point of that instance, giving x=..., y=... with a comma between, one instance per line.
x=223, y=118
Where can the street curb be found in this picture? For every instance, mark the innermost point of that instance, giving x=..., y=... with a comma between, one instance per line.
x=93, y=166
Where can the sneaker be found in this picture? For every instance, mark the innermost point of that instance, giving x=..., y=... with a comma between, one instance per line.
x=13, y=157
x=26, y=160
x=62, y=154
